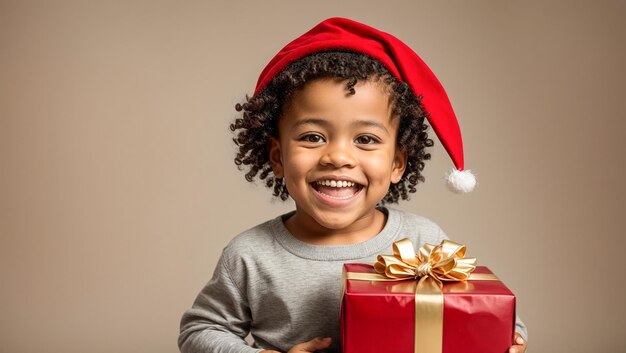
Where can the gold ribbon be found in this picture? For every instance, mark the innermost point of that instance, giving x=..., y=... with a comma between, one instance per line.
x=443, y=262
x=430, y=266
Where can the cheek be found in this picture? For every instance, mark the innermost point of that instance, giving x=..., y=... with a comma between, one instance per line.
x=379, y=167
x=298, y=162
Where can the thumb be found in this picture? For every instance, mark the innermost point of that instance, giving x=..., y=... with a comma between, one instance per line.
x=313, y=345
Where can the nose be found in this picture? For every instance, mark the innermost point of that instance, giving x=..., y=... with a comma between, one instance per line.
x=338, y=155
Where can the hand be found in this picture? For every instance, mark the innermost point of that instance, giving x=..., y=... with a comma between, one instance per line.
x=311, y=346
x=520, y=344
x=308, y=347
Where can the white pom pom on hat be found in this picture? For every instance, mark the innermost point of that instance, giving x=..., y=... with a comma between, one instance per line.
x=461, y=181
x=401, y=61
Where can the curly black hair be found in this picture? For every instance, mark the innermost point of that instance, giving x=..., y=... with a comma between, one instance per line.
x=261, y=113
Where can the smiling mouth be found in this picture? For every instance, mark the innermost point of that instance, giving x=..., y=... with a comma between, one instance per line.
x=337, y=189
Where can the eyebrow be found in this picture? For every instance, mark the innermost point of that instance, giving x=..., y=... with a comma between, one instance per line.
x=311, y=121
x=326, y=123
x=372, y=123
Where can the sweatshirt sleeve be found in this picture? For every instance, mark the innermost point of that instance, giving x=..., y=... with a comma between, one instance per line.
x=521, y=328
x=219, y=319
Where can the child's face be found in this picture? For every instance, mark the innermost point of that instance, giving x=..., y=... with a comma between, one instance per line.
x=337, y=152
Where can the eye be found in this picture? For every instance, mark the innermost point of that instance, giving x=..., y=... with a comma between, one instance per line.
x=312, y=138
x=366, y=140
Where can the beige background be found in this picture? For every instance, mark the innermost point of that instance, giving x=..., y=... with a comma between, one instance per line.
x=118, y=191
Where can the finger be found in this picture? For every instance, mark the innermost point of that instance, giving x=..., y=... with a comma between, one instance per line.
x=519, y=340
x=519, y=344
x=516, y=349
x=313, y=345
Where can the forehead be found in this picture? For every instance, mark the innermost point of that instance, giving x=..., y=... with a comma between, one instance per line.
x=331, y=98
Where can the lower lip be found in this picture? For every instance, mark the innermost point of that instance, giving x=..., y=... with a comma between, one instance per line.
x=331, y=201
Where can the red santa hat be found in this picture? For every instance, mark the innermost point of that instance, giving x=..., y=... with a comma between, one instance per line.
x=401, y=61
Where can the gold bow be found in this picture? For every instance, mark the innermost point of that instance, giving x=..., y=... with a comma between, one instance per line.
x=443, y=262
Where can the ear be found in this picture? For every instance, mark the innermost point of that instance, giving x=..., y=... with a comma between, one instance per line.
x=276, y=158
x=399, y=165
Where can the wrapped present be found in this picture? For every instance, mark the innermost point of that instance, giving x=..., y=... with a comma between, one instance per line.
x=434, y=301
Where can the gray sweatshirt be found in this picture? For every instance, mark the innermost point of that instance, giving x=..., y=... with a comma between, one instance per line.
x=284, y=291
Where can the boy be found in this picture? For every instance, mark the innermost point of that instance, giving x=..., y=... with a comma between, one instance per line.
x=337, y=123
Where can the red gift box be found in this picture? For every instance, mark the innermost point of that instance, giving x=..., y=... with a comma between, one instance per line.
x=379, y=316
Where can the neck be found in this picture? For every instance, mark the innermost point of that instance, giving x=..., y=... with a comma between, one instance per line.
x=306, y=229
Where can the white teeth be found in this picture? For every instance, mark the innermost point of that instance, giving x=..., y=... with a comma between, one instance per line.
x=336, y=183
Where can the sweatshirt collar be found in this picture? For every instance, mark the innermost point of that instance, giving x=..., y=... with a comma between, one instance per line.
x=369, y=248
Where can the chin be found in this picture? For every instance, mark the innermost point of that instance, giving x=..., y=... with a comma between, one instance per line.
x=336, y=222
